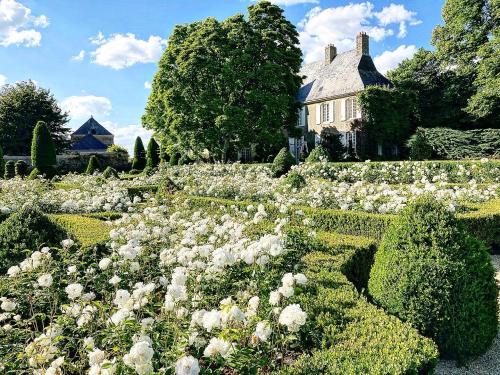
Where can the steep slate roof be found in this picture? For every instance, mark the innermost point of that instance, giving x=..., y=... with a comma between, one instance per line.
x=89, y=142
x=348, y=73
x=90, y=125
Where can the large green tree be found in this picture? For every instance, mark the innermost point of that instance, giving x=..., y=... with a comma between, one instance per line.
x=22, y=105
x=222, y=86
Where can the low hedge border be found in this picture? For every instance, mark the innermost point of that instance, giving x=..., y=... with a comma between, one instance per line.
x=104, y=216
x=484, y=223
x=354, y=336
x=86, y=230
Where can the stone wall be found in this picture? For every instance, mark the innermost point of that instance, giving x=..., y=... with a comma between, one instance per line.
x=77, y=162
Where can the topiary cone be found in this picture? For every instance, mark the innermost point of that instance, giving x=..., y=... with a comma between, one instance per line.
x=139, y=162
x=43, y=152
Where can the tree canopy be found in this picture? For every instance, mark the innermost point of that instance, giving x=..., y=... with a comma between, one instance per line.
x=222, y=86
x=457, y=84
x=22, y=105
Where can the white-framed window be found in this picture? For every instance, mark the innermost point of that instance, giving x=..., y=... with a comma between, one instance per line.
x=351, y=139
x=325, y=112
x=302, y=117
x=317, y=139
x=246, y=155
x=350, y=109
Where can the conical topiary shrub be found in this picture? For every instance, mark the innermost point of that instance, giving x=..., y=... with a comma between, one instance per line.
x=21, y=168
x=93, y=165
x=139, y=162
x=282, y=163
x=43, y=152
x=164, y=157
x=431, y=273
x=10, y=170
x=153, y=154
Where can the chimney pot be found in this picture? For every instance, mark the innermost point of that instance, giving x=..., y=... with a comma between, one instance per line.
x=363, y=43
x=330, y=53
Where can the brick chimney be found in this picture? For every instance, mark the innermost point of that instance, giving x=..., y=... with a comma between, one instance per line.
x=363, y=43
x=330, y=53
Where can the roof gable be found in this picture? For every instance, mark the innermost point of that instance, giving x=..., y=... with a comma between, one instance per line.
x=348, y=73
x=91, y=126
x=89, y=142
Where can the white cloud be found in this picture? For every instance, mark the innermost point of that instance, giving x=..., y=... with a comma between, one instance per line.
x=3, y=80
x=339, y=25
x=389, y=60
x=293, y=2
x=18, y=26
x=147, y=85
x=82, y=107
x=122, y=51
x=79, y=57
x=125, y=136
x=397, y=13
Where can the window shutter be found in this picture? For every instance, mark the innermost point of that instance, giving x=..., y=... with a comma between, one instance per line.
x=318, y=114
x=331, y=108
x=343, y=110
x=303, y=117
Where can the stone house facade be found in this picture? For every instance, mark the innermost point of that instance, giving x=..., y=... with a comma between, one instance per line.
x=328, y=94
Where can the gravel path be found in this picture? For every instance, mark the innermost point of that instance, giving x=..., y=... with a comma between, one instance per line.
x=488, y=363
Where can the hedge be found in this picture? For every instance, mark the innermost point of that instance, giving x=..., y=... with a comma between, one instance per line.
x=484, y=223
x=354, y=336
x=86, y=230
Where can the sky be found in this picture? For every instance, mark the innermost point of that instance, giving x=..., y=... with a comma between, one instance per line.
x=98, y=57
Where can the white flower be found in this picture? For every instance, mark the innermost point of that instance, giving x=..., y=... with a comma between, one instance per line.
x=218, y=346
x=7, y=304
x=45, y=280
x=71, y=270
x=67, y=243
x=115, y=280
x=140, y=356
x=212, y=319
x=74, y=290
x=104, y=263
x=13, y=271
x=292, y=317
x=96, y=357
x=274, y=298
x=263, y=330
x=187, y=365
x=300, y=279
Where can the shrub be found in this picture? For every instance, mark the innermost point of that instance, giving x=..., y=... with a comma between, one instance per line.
x=2, y=162
x=164, y=157
x=331, y=142
x=10, y=170
x=27, y=229
x=117, y=149
x=282, y=163
x=110, y=172
x=166, y=187
x=34, y=174
x=43, y=152
x=139, y=161
x=418, y=146
x=295, y=180
x=431, y=273
x=21, y=168
x=135, y=171
x=318, y=154
x=153, y=154
x=93, y=165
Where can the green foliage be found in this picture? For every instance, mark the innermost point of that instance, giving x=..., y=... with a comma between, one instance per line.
x=34, y=174
x=10, y=170
x=418, y=146
x=295, y=180
x=117, y=149
x=93, y=165
x=164, y=156
x=282, y=163
x=354, y=337
x=166, y=188
x=318, y=154
x=86, y=230
x=22, y=105
x=333, y=145
x=43, y=153
x=26, y=231
x=484, y=223
x=21, y=168
x=431, y=273
x=2, y=161
x=174, y=159
x=222, y=85
x=139, y=161
x=153, y=154
x=110, y=172
x=455, y=144
x=386, y=120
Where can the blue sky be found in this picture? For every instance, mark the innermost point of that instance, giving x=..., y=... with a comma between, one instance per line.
x=98, y=56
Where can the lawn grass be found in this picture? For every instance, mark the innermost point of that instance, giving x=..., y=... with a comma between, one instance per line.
x=87, y=230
